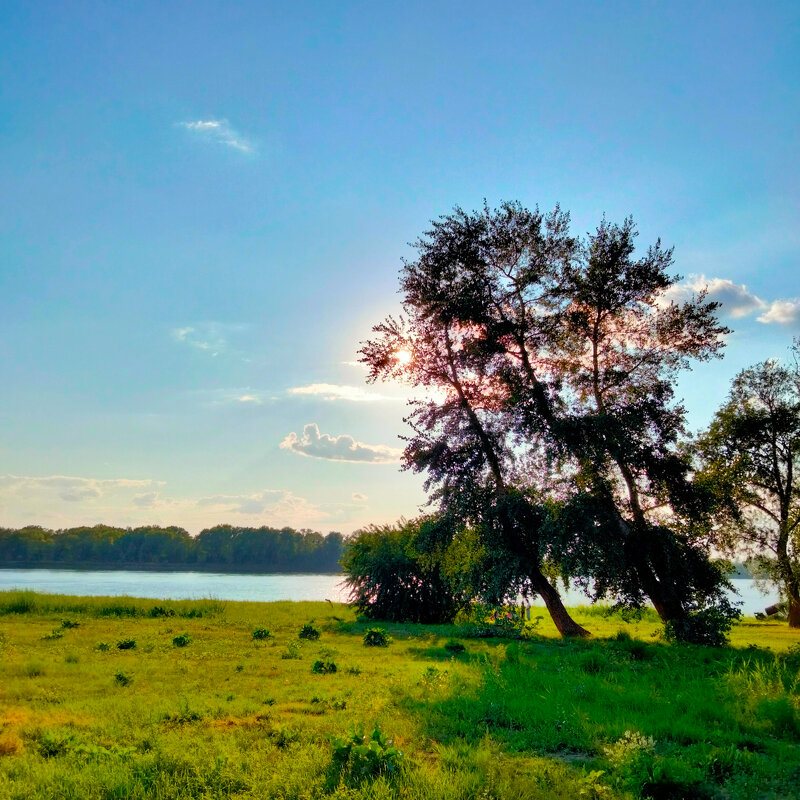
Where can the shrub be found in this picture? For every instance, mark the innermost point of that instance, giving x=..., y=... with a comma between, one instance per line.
x=123, y=679
x=391, y=577
x=160, y=611
x=126, y=644
x=320, y=667
x=182, y=640
x=357, y=758
x=376, y=637
x=708, y=626
x=454, y=647
x=261, y=633
x=68, y=623
x=292, y=651
x=102, y=647
x=308, y=631
x=56, y=634
x=484, y=621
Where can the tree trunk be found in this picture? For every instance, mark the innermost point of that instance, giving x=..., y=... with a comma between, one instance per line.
x=794, y=612
x=567, y=626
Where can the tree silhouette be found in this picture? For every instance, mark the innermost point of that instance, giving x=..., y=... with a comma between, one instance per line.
x=550, y=423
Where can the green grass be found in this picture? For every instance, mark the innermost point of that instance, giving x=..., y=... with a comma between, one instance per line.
x=622, y=715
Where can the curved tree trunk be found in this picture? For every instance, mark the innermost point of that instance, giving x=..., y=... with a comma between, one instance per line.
x=567, y=626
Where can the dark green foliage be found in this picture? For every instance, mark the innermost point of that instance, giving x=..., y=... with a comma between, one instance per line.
x=376, y=637
x=56, y=634
x=357, y=758
x=160, y=611
x=708, y=626
x=257, y=549
x=308, y=631
x=454, y=647
x=750, y=463
x=182, y=640
x=126, y=644
x=320, y=667
x=123, y=679
x=261, y=633
x=392, y=576
x=68, y=623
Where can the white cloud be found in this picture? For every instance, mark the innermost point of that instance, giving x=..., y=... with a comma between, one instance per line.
x=220, y=131
x=211, y=337
x=69, y=487
x=782, y=312
x=338, y=448
x=737, y=300
x=281, y=506
x=146, y=500
x=332, y=391
x=61, y=501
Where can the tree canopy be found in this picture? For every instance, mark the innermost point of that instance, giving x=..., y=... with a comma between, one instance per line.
x=750, y=458
x=550, y=423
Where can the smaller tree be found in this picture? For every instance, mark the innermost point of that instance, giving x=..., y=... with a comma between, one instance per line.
x=390, y=579
x=750, y=457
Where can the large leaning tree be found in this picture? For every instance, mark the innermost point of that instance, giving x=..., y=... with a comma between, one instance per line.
x=550, y=424
x=751, y=461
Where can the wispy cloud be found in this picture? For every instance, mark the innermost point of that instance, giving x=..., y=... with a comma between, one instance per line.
x=219, y=131
x=278, y=504
x=333, y=391
x=338, y=448
x=211, y=337
x=70, y=488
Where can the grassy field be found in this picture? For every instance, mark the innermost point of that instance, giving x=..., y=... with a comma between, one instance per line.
x=219, y=713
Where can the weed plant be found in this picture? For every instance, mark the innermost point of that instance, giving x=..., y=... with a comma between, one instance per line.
x=622, y=716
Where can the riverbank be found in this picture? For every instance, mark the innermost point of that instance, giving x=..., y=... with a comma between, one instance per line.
x=228, y=715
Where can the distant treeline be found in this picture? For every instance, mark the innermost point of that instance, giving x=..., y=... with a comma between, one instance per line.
x=223, y=547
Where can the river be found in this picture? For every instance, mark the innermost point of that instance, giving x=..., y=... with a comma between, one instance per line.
x=226, y=586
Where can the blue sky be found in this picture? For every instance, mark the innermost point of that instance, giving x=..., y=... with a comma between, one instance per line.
x=204, y=207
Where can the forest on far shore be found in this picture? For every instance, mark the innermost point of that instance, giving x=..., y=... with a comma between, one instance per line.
x=223, y=547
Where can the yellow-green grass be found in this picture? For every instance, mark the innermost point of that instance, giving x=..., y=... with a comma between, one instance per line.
x=623, y=715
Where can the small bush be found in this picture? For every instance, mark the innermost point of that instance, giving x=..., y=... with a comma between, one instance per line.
x=123, y=679
x=320, y=667
x=33, y=669
x=454, y=647
x=68, y=623
x=71, y=658
x=182, y=640
x=292, y=651
x=376, y=637
x=708, y=626
x=160, y=611
x=357, y=758
x=126, y=644
x=102, y=647
x=56, y=634
x=309, y=632
x=261, y=633
x=54, y=743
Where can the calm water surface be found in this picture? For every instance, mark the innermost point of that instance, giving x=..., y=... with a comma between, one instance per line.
x=223, y=586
